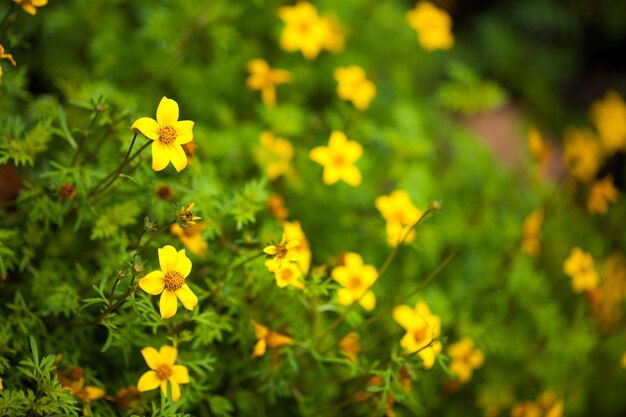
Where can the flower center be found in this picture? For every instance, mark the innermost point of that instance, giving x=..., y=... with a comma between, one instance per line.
x=354, y=282
x=186, y=216
x=174, y=280
x=339, y=160
x=420, y=335
x=167, y=135
x=164, y=372
x=281, y=251
x=287, y=274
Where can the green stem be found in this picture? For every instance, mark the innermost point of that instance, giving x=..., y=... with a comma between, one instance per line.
x=84, y=138
x=158, y=233
x=5, y=18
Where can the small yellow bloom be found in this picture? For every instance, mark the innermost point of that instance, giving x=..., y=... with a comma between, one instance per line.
x=168, y=135
x=267, y=338
x=275, y=155
x=185, y=215
x=170, y=281
x=191, y=237
x=400, y=214
x=601, y=193
x=433, y=26
x=357, y=280
x=281, y=252
x=609, y=116
x=303, y=30
x=338, y=159
x=579, y=266
x=354, y=86
x=276, y=206
x=8, y=57
x=29, y=6
x=422, y=327
x=350, y=346
x=531, y=240
x=288, y=273
x=465, y=358
x=582, y=154
x=75, y=382
x=162, y=371
x=537, y=147
x=334, y=35
x=265, y=79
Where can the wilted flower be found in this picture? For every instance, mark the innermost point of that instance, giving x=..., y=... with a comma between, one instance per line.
x=338, y=159
x=356, y=279
x=422, y=328
x=265, y=79
x=162, y=371
x=185, y=215
x=67, y=191
x=433, y=26
x=354, y=86
x=266, y=338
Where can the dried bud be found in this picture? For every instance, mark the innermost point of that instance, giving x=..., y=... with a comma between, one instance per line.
x=67, y=191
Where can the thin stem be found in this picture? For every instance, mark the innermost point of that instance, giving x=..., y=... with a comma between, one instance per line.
x=5, y=18
x=119, y=167
x=84, y=138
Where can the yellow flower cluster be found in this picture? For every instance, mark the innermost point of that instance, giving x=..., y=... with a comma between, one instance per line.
x=465, y=358
x=401, y=216
x=354, y=86
x=422, y=331
x=433, y=26
x=579, y=266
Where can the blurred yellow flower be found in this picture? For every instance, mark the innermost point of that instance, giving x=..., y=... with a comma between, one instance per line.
x=170, y=281
x=350, y=346
x=579, y=266
x=168, y=135
x=303, y=30
x=357, y=280
x=185, y=215
x=422, y=327
x=6, y=56
x=162, y=371
x=267, y=338
x=354, y=86
x=75, y=382
x=265, y=79
x=334, y=35
x=30, y=6
x=293, y=231
x=465, y=358
x=550, y=404
x=609, y=116
x=526, y=409
x=400, y=214
x=531, y=238
x=275, y=155
x=582, y=154
x=605, y=301
x=276, y=206
x=338, y=159
x=601, y=193
x=433, y=26
x=287, y=274
x=537, y=147
x=191, y=237
x=284, y=251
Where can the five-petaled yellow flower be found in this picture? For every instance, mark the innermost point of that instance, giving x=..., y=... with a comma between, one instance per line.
x=275, y=155
x=357, y=280
x=531, y=235
x=170, y=281
x=601, y=193
x=303, y=30
x=168, y=134
x=282, y=253
x=433, y=26
x=191, y=237
x=265, y=79
x=338, y=159
x=354, y=86
x=579, y=266
x=162, y=367
x=582, y=154
x=30, y=6
x=465, y=358
x=288, y=273
x=400, y=214
x=609, y=116
x=267, y=338
x=422, y=328
x=185, y=215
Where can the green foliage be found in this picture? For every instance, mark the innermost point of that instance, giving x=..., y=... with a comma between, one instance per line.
x=114, y=218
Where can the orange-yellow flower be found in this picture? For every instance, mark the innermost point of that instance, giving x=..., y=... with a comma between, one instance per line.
x=75, y=382
x=275, y=155
x=282, y=252
x=433, y=26
x=465, y=358
x=582, y=154
x=338, y=159
x=601, y=193
x=422, y=329
x=579, y=266
x=168, y=135
x=537, y=147
x=350, y=346
x=266, y=338
x=531, y=239
x=357, y=280
x=400, y=214
x=186, y=216
x=303, y=29
x=29, y=6
x=170, y=281
x=276, y=206
x=354, y=86
x=609, y=116
x=191, y=237
x=162, y=371
x=265, y=79
x=288, y=273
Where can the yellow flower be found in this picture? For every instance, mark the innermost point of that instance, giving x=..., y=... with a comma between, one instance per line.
x=185, y=215
x=303, y=29
x=334, y=35
x=354, y=86
x=191, y=237
x=275, y=155
x=531, y=242
x=276, y=206
x=29, y=6
x=357, y=279
x=163, y=370
x=168, y=135
x=602, y=193
x=551, y=405
x=267, y=338
x=265, y=79
x=433, y=26
x=579, y=266
x=338, y=159
x=8, y=57
x=605, y=301
x=465, y=358
x=288, y=273
x=422, y=327
x=400, y=214
x=170, y=281
x=281, y=252
x=609, y=116
x=350, y=346
x=537, y=147
x=582, y=154
x=293, y=231
x=75, y=382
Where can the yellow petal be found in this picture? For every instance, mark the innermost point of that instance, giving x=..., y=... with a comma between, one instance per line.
x=344, y=297
x=168, y=304
x=175, y=390
x=330, y=175
x=405, y=317
x=340, y=274
x=257, y=65
x=352, y=176
x=184, y=131
x=160, y=155
x=259, y=348
x=39, y=3
x=368, y=301
x=260, y=331
x=428, y=357
x=183, y=264
x=178, y=157
x=319, y=154
x=270, y=250
x=353, y=260
x=168, y=258
x=148, y=127
x=180, y=374
x=268, y=95
x=275, y=339
x=148, y=381
x=337, y=140
x=168, y=354
x=187, y=297
x=167, y=112
x=153, y=283
x=151, y=357
x=93, y=393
